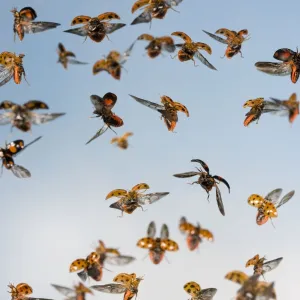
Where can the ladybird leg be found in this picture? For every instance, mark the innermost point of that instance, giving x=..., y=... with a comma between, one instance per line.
x=207, y=196
x=192, y=182
x=195, y=63
x=1, y=170
x=241, y=54
x=122, y=213
x=142, y=208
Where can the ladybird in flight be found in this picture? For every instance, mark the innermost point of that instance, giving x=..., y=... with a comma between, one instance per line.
x=195, y=234
x=207, y=182
x=126, y=284
x=153, y=9
x=130, y=200
x=11, y=150
x=103, y=107
x=157, y=246
x=267, y=206
x=21, y=292
x=168, y=109
x=233, y=40
x=22, y=116
x=96, y=28
x=190, y=49
x=77, y=293
x=67, y=57
x=11, y=66
x=194, y=290
x=23, y=22
x=122, y=141
x=290, y=64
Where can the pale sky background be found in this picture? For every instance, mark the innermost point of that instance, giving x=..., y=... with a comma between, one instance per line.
x=58, y=215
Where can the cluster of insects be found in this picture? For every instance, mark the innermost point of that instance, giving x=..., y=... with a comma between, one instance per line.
x=23, y=116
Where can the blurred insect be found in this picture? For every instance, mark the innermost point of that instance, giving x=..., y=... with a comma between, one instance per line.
x=11, y=66
x=153, y=9
x=23, y=22
x=112, y=256
x=21, y=291
x=251, y=288
x=77, y=293
x=126, y=283
x=233, y=40
x=290, y=64
x=207, y=182
x=157, y=44
x=103, y=107
x=22, y=116
x=258, y=107
x=122, y=141
x=261, y=266
x=130, y=200
x=113, y=63
x=11, y=150
x=290, y=107
x=168, y=110
x=195, y=234
x=157, y=246
x=96, y=28
x=64, y=57
x=267, y=207
x=89, y=267
x=190, y=49
x=194, y=290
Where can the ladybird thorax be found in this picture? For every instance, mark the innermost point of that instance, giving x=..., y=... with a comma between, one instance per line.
x=190, y=48
x=123, y=143
x=95, y=25
x=206, y=181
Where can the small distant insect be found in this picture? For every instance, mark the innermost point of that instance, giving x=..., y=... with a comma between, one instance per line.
x=261, y=266
x=21, y=291
x=11, y=150
x=95, y=28
x=195, y=234
x=157, y=246
x=89, y=267
x=126, y=283
x=122, y=141
x=290, y=64
x=291, y=105
x=168, y=109
x=251, y=288
x=22, y=116
x=130, y=200
x=233, y=40
x=194, y=290
x=267, y=207
x=153, y=9
x=112, y=256
x=23, y=22
x=103, y=107
x=77, y=293
x=190, y=49
x=113, y=63
x=258, y=107
x=11, y=66
x=157, y=44
x=207, y=182
x=64, y=57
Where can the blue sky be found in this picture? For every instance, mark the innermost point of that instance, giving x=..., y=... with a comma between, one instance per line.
x=60, y=213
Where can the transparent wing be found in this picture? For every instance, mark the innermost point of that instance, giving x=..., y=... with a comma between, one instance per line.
x=151, y=229
x=144, y=17
x=113, y=288
x=121, y=260
x=204, y=60
x=164, y=233
x=219, y=201
x=173, y=2
x=151, y=198
x=35, y=27
x=44, y=118
x=277, y=69
x=207, y=294
x=27, y=145
x=6, y=118
x=98, y=133
x=186, y=174
x=20, y=171
x=111, y=27
x=82, y=31
x=63, y=290
x=286, y=198
x=76, y=62
x=274, y=196
x=215, y=37
x=6, y=74
x=126, y=54
x=272, y=264
x=150, y=104
x=97, y=102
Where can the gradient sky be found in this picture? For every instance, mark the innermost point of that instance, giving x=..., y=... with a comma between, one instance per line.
x=59, y=214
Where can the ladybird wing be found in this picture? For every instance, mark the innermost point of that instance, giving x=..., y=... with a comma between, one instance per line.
x=151, y=198
x=184, y=226
x=252, y=261
x=20, y=171
x=35, y=104
x=204, y=233
x=237, y=276
x=149, y=104
x=120, y=260
x=192, y=288
x=109, y=100
x=169, y=245
x=111, y=27
x=215, y=37
x=125, y=279
x=6, y=118
x=284, y=54
x=221, y=179
x=226, y=32
x=277, y=69
x=35, y=27
x=116, y=193
x=28, y=14
x=151, y=229
x=146, y=243
x=63, y=290
x=126, y=54
x=144, y=17
x=98, y=133
x=145, y=37
x=78, y=265
x=269, y=210
x=219, y=201
x=138, y=4
x=81, y=31
x=44, y=118
x=204, y=60
x=164, y=232
x=183, y=35
x=180, y=107
x=274, y=196
x=97, y=102
x=6, y=74
x=286, y=198
x=61, y=47
x=186, y=174
x=108, y=16
x=7, y=104
x=76, y=62
x=207, y=294
x=141, y=187
x=272, y=264
x=112, y=288
x=255, y=200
